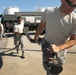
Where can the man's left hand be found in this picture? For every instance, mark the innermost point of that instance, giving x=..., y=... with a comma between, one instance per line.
x=55, y=48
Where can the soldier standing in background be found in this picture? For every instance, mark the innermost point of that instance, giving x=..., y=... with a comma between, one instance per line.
x=18, y=35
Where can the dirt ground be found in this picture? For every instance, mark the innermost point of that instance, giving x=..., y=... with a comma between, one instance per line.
x=13, y=64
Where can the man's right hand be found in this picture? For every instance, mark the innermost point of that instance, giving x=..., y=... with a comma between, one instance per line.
x=36, y=39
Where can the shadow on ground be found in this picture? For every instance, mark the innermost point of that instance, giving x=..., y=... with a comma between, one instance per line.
x=1, y=62
x=8, y=53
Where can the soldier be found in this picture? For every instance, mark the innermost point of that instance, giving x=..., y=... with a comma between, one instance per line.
x=59, y=24
x=2, y=31
x=18, y=37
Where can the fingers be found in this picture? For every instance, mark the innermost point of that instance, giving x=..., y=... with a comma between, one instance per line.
x=55, y=48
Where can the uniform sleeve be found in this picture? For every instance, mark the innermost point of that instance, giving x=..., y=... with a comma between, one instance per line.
x=15, y=28
x=43, y=18
x=74, y=29
x=46, y=12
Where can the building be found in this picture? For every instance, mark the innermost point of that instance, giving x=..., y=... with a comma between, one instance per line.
x=32, y=19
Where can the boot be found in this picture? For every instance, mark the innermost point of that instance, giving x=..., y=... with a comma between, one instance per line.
x=23, y=54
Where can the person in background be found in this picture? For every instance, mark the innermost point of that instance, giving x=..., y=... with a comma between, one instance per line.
x=59, y=24
x=18, y=35
x=2, y=31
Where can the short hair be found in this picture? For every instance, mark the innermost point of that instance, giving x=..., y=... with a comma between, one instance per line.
x=19, y=16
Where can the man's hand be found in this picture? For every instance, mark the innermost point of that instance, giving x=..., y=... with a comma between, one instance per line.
x=36, y=39
x=54, y=48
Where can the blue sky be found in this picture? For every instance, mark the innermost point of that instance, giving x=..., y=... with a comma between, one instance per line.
x=28, y=5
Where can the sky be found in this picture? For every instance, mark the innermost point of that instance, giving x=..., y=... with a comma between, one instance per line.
x=28, y=5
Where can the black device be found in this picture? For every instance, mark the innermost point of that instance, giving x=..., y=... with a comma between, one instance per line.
x=51, y=62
